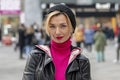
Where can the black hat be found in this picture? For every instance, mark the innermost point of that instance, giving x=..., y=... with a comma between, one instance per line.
x=65, y=9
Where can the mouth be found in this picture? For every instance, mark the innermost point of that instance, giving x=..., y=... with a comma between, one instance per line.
x=59, y=38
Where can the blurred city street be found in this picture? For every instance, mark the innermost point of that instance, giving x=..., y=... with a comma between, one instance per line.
x=108, y=70
x=23, y=22
x=11, y=67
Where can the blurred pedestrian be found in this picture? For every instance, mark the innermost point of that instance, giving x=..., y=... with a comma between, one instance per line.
x=0, y=35
x=118, y=48
x=79, y=35
x=100, y=43
x=29, y=39
x=21, y=40
x=88, y=38
x=59, y=60
x=47, y=39
x=40, y=36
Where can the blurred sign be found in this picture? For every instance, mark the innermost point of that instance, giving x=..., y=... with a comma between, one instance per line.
x=79, y=1
x=84, y=2
x=103, y=6
x=10, y=7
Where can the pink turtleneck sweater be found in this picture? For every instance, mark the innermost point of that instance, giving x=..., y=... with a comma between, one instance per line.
x=60, y=54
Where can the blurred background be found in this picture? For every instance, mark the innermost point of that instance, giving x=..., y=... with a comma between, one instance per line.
x=90, y=15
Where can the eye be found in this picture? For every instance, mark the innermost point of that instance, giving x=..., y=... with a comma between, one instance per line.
x=52, y=26
x=63, y=25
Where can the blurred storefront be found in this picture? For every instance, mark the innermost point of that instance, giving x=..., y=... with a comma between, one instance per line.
x=88, y=12
x=91, y=12
x=9, y=18
x=104, y=13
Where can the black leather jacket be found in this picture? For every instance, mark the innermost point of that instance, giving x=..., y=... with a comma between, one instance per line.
x=39, y=65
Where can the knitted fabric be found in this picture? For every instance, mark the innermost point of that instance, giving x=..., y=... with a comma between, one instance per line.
x=60, y=54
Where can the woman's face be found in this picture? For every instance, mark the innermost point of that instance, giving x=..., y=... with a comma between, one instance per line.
x=59, y=30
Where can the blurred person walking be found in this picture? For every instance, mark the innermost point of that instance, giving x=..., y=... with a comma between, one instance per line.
x=59, y=60
x=0, y=35
x=40, y=36
x=21, y=40
x=79, y=35
x=109, y=33
x=88, y=38
x=29, y=39
x=100, y=43
x=118, y=47
x=47, y=39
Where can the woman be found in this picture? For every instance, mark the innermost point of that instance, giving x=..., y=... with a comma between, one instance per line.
x=59, y=60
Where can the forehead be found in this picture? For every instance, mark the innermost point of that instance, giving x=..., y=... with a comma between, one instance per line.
x=58, y=18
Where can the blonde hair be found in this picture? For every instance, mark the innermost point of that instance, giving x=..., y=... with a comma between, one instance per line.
x=56, y=13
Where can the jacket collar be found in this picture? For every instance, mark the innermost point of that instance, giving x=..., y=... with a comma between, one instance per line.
x=48, y=58
x=74, y=66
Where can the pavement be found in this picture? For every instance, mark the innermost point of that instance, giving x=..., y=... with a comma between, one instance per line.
x=11, y=67
x=108, y=70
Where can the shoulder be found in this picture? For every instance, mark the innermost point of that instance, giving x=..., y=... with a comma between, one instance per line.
x=40, y=50
x=83, y=60
x=36, y=55
x=81, y=55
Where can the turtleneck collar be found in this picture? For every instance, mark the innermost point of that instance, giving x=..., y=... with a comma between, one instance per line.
x=61, y=46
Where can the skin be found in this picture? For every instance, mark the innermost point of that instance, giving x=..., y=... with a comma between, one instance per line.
x=59, y=30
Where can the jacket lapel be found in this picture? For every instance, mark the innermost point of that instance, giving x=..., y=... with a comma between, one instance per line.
x=48, y=57
x=74, y=53
x=74, y=66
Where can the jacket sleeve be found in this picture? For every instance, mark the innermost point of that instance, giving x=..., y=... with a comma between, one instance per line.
x=86, y=75
x=31, y=64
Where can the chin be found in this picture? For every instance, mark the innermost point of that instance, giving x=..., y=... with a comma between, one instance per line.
x=59, y=41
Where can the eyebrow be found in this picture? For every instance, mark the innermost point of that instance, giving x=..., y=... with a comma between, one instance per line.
x=51, y=24
x=60, y=23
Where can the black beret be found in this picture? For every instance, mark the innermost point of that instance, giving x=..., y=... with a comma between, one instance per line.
x=65, y=9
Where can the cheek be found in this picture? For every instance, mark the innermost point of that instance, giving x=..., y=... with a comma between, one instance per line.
x=68, y=33
x=51, y=33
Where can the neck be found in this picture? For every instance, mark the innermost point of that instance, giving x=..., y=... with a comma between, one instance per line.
x=61, y=46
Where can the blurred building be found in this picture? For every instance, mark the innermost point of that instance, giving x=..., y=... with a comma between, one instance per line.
x=88, y=12
x=10, y=11
x=92, y=12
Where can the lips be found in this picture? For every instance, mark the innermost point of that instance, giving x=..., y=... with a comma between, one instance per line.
x=59, y=38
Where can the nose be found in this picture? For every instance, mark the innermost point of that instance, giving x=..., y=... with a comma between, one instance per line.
x=57, y=30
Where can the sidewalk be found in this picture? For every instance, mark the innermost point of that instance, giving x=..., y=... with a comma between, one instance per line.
x=105, y=70
x=11, y=67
